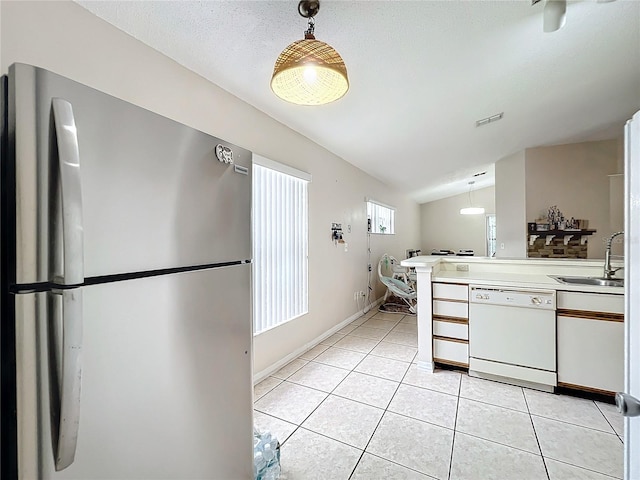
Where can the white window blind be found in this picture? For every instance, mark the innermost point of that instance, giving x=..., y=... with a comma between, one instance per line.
x=382, y=218
x=280, y=247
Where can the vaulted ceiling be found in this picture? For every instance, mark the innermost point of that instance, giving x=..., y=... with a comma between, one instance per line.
x=421, y=74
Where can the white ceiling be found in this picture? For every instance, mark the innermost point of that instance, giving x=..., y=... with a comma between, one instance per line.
x=421, y=73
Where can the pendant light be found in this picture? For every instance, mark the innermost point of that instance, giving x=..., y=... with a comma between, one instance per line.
x=309, y=72
x=471, y=210
x=554, y=15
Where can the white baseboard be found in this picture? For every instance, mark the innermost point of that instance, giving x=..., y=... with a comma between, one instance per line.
x=257, y=377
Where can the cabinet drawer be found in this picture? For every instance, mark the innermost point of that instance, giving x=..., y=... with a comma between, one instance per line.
x=591, y=302
x=449, y=351
x=450, y=309
x=450, y=329
x=450, y=291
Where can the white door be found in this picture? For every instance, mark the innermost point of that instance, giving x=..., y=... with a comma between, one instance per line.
x=632, y=301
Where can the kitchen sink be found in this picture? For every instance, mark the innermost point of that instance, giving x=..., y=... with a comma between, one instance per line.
x=597, y=281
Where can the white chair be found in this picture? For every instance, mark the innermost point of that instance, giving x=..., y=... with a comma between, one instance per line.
x=396, y=278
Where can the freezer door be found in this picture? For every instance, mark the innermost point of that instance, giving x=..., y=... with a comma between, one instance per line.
x=153, y=193
x=166, y=380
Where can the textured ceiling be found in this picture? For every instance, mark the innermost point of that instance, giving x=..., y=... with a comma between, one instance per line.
x=421, y=74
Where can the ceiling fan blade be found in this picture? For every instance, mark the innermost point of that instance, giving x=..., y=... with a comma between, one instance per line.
x=554, y=15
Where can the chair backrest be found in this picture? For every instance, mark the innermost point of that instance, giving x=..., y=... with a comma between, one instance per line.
x=385, y=266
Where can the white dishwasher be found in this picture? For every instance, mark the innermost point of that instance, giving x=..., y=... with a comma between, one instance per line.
x=512, y=336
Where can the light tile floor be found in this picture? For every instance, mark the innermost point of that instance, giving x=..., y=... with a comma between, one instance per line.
x=356, y=407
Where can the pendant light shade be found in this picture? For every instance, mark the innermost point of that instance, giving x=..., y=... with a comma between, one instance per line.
x=554, y=15
x=309, y=72
x=471, y=210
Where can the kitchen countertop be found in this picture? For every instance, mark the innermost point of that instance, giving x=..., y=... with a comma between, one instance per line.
x=518, y=273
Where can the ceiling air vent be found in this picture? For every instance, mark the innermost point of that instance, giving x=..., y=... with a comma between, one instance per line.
x=491, y=119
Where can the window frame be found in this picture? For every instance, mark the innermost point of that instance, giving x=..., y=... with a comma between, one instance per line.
x=286, y=171
x=375, y=228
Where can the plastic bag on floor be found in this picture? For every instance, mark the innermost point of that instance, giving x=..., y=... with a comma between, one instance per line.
x=266, y=456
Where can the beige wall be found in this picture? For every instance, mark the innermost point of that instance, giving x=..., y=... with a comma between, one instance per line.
x=511, y=207
x=574, y=177
x=67, y=39
x=442, y=226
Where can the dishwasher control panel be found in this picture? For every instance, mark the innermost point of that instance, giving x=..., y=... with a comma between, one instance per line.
x=541, y=299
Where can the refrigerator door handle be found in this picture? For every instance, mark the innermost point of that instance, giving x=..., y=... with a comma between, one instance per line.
x=71, y=192
x=69, y=378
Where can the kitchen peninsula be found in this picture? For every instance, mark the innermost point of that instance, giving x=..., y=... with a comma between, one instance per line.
x=513, y=320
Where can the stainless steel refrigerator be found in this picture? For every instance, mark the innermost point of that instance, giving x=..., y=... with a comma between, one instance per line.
x=126, y=305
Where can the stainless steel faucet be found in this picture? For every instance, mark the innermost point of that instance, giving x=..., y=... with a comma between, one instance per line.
x=608, y=271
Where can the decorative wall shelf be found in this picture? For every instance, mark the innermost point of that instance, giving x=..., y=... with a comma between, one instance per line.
x=566, y=234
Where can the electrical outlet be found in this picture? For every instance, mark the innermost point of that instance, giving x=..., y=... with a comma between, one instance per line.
x=369, y=267
x=462, y=267
x=502, y=246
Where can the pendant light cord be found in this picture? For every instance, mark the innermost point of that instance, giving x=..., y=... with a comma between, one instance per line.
x=309, y=33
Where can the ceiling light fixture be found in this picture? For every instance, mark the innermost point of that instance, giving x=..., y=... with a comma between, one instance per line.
x=554, y=15
x=309, y=72
x=471, y=210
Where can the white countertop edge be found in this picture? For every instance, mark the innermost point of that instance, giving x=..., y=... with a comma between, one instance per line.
x=431, y=260
x=521, y=281
x=535, y=278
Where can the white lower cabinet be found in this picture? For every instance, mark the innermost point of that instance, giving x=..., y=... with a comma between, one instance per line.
x=590, y=343
x=450, y=324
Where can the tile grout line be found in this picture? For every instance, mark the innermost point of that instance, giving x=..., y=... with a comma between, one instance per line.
x=610, y=424
x=417, y=419
x=377, y=425
x=613, y=432
x=399, y=383
x=583, y=468
x=544, y=462
x=323, y=400
x=374, y=430
x=455, y=424
x=299, y=426
x=408, y=417
x=494, y=405
x=400, y=465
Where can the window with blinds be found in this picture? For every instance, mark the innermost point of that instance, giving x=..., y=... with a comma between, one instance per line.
x=381, y=218
x=280, y=244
